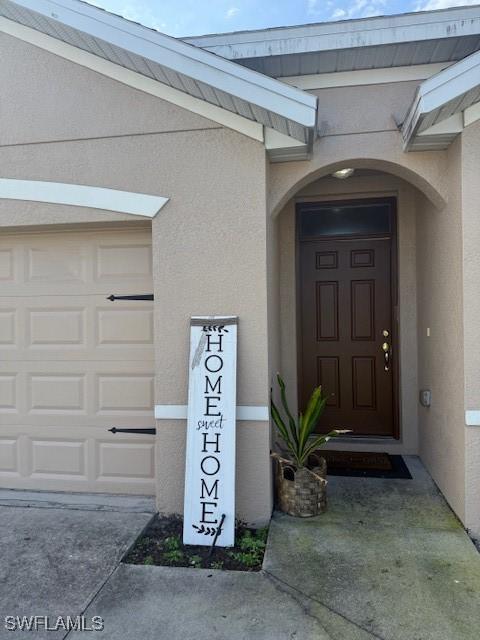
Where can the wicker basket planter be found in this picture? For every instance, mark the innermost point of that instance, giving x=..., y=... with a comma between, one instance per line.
x=301, y=492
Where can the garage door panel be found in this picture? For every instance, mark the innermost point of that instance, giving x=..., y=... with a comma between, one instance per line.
x=123, y=261
x=80, y=328
x=82, y=458
x=77, y=392
x=9, y=464
x=75, y=263
x=73, y=365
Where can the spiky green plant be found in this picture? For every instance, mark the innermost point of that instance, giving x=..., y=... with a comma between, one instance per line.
x=298, y=435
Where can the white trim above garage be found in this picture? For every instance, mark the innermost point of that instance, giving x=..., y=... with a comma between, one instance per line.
x=136, y=204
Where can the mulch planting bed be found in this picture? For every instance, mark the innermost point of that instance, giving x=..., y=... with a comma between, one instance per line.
x=161, y=544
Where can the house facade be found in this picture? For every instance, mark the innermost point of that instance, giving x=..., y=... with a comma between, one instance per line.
x=320, y=182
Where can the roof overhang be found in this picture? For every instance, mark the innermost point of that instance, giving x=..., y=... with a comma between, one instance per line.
x=443, y=105
x=166, y=62
x=368, y=43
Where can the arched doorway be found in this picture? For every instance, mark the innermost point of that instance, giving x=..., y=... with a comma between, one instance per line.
x=373, y=290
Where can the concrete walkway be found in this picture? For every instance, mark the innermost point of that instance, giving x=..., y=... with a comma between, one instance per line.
x=57, y=550
x=388, y=561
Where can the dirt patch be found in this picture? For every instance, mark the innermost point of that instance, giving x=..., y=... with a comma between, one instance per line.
x=161, y=544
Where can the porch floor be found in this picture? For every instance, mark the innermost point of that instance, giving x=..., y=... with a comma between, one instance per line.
x=387, y=560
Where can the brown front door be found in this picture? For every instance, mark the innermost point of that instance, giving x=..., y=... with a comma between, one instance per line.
x=346, y=303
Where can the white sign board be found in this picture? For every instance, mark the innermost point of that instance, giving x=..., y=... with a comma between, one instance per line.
x=210, y=463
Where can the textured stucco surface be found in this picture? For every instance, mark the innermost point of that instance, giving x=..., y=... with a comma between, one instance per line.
x=87, y=129
x=440, y=356
x=471, y=320
x=218, y=204
x=64, y=101
x=381, y=185
x=346, y=110
x=378, y=150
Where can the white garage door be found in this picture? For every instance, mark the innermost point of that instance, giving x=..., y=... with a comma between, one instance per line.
x=73, y=364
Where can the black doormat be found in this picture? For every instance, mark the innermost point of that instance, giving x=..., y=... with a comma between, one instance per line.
x=359, y=464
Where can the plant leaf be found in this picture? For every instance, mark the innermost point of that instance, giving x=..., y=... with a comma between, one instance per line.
x=322, y=439
x=277, y=418
x=315, y=406
x=283, y=396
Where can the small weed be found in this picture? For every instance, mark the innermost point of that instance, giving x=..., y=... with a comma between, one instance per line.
x=175, y=555
x=247, y=559
x=196, y=561
x=172, y=543
x=252, y=547
x=161, y=544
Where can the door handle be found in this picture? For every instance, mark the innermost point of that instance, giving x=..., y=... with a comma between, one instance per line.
x=387, y=351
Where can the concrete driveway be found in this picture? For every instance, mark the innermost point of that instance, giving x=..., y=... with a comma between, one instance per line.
x=57, y=551
x=388, y=561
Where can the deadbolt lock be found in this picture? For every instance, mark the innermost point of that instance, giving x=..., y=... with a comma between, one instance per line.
x=385, y=333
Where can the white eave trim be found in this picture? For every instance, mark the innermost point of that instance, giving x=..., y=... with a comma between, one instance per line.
x=450, y=85
x=136, y=204
x=182, y=58
x=343, y=34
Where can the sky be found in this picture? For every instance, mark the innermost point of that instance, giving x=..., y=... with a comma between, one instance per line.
x=196, y=17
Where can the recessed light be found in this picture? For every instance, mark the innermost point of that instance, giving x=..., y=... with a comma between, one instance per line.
x=341, y=174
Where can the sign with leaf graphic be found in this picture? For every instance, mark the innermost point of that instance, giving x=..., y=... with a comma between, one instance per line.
x=209, y=511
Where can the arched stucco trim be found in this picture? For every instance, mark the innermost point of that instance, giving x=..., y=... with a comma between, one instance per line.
x=426, y=171
x=137, y=204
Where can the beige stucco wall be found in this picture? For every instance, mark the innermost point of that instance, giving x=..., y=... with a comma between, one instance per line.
x=50, y=98
x=431, y=218
x=75, y=126
x=440, y=356
x=358, y=187
x=210, y=259
x=362, y=109
x=88, y=129
x=471, y=317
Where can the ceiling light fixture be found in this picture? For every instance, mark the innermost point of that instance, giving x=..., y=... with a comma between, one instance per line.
x=341, y=174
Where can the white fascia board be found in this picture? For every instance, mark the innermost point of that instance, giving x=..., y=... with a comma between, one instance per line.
x=344, y=34
x=452, y=125
x=472, y=114
x=181, y=57
x=453, y=82
x=365, y=76
x=137, y=81
x=282, y=148
x=136, y=204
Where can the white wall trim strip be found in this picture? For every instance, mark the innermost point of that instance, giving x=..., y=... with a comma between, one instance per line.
x=472, y=418
x=136, y=204
x=179, y=412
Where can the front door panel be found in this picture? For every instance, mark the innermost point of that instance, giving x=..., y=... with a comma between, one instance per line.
x=345, y=308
